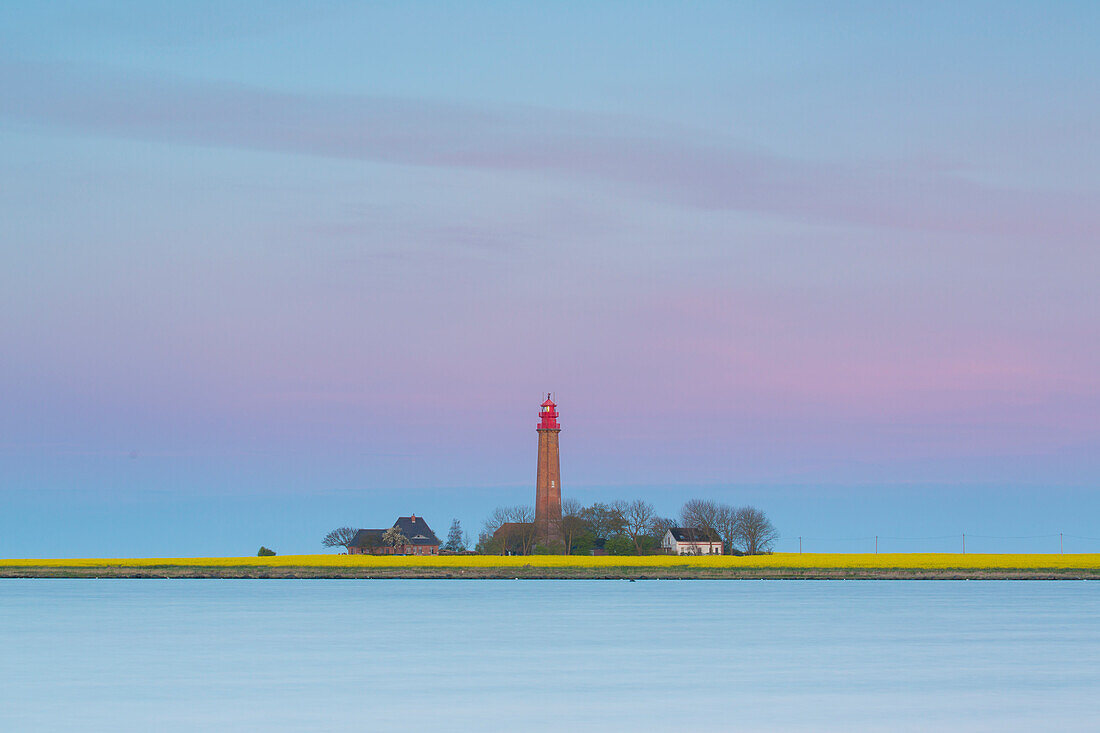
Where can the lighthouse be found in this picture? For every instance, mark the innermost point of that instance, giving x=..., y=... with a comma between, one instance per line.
x=548, y=476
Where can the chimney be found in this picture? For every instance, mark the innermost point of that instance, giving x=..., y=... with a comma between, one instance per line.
x=413, y=518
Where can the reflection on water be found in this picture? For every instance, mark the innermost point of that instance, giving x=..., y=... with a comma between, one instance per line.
x=186, y=655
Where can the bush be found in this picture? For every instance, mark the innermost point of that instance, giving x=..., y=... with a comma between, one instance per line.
x=650, y=545
x=584, y=544
x=619, y=545
x=264, y=552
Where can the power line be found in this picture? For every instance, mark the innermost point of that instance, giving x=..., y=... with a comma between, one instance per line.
x=878, y=539
x=941, y=537
x=1013, y=537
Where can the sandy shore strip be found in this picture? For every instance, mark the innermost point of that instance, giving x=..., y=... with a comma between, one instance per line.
x=894, y=566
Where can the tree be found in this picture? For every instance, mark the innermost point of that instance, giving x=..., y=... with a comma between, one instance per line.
x=648, y=544
x=339, y=537
x=485, y=545
x=620, y=544
x=571, y=524
x=701, y=514
x=393, y=537
x=495, y=534
x=602, y=520
x=525, y=532
x=659, y=526
x=725, y=524
x=512, y=529
x=711, y=516
x=264, y=552
x=637, y=516
x=494, y=521
x=455, y=541
x=754, y=531
x=583, y=543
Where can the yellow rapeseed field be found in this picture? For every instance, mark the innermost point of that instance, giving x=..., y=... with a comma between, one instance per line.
x=920, y=561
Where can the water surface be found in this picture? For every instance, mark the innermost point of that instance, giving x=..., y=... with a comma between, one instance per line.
x=340, y=655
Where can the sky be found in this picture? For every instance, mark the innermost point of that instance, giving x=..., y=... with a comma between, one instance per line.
x=271, y=268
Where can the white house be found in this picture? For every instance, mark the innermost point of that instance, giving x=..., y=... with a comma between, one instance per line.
x=691, y=541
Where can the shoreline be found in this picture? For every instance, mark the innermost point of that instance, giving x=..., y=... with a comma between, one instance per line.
x=540, y=573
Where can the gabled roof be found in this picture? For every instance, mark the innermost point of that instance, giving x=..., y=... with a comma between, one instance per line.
x=692, y=534
x=368, y=538
x=417, y=530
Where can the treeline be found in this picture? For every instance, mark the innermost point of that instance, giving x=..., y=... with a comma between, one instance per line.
x=624, y=528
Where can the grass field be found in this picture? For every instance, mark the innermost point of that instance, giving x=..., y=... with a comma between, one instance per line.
x=810, y=565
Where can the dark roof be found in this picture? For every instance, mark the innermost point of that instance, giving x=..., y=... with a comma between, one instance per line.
x=367, y=537
x=511, y=527
x=414, y=528
x=417, y=530
x=691, y=534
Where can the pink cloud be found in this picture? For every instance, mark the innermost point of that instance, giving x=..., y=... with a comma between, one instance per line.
x=677, y=166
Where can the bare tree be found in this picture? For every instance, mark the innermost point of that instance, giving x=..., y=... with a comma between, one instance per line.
x=571, y=524
x=393, y=537
x=725, y=524
x=512, y=529
x=637, y=516
x=521, y=514
x=754, y=531
x=496, y=526
x=339, y=537
x=494, y=521
x=700, y=514
x=660, y=525
x=525, y=533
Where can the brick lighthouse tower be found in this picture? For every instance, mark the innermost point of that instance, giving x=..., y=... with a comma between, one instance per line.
x=548, y=478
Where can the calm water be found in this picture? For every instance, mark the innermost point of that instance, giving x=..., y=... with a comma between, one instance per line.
x=188, y=655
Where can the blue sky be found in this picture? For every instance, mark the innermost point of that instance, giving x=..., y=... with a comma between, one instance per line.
x=268, y=268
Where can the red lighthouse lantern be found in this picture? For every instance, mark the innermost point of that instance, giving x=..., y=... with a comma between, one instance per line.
x=548, y=411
